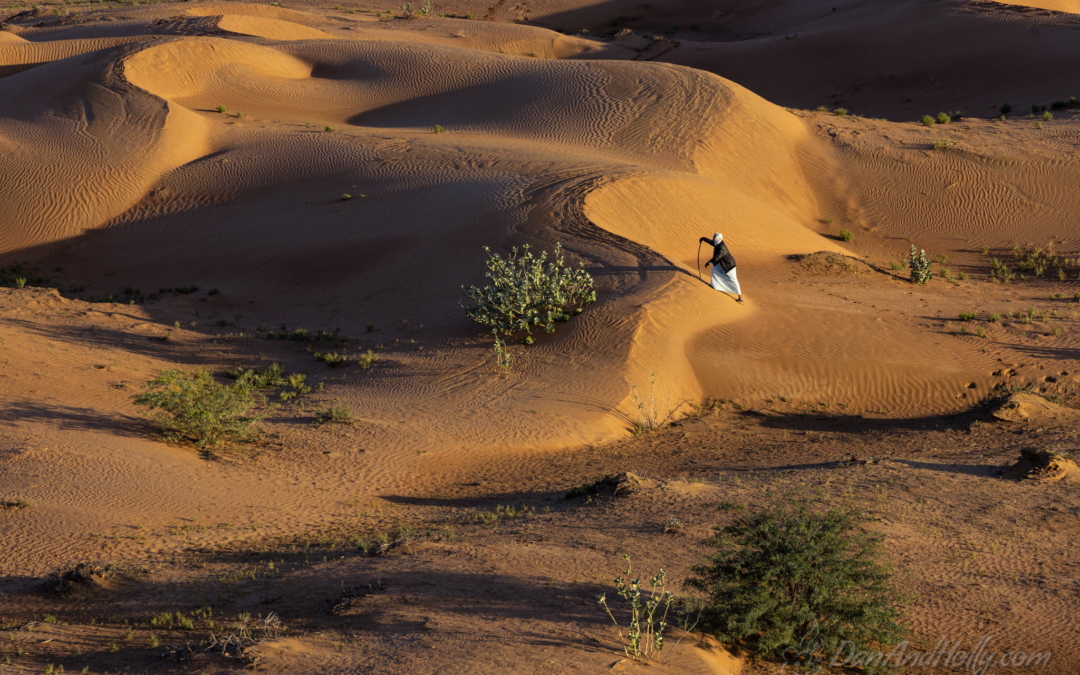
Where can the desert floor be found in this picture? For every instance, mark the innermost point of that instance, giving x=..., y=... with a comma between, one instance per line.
x=184, y=184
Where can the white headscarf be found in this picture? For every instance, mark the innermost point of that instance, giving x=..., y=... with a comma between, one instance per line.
x=717, y=238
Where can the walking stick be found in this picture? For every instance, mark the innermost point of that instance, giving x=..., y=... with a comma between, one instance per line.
x=699, y=261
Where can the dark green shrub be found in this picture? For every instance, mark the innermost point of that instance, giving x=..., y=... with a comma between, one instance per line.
x=927, y=121
x=782, y=574
x=189, y=405
x=847, y=235
x=943, y=118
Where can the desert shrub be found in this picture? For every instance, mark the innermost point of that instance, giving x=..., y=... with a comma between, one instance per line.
x=647, y=611
x=335, y=415
x=942, y=144
x=780, y=575
x=407, y=11
x=1047, y=115
x=999, y=271
x=221, y=109
x=896, y=266
x=841, y=112
x=270, y=377
x=994, y=316
x=332, y=359
x=437, y=129
x=529, y=290
x=927, y=121
x=962, y=275
x=920, y=266
x=968, y=316
x=367, y=360
x=943, y=118
x=190, y=405
x=847, y=235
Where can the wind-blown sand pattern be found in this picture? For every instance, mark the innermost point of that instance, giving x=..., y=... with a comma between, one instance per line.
x=624, y=144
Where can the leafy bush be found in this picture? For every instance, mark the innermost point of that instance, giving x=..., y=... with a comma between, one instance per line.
x=190, y=405
x=927, y=121
x=969, y=316
x=943, y=118
x=847, y=235
x=780, y=575
x=529, y=290
x=920, y=266
x=1047, y=115
x=942, y=144
x=841, y=112
x=999, y=271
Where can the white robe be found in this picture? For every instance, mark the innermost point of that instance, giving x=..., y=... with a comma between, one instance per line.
x=727, y=282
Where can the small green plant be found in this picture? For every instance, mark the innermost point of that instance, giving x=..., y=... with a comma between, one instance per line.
x=847, y=235
x=335, y=415
x=994, y=316
x=920, y=266
x=942, y=144
x=128, y=634
x=437, y=129
x=969, y=316
x=1000, y=272
x=20, y=282
x=946, y=274
x=221, y=109
x=927, y=121
x=1047, y=115
x=840, y=112
x=647, y=612
x=346, y=197
x=329, y=129
x=962, y=275
x=779, y=576
x=896, y=266
x=943, y=118
x=190, y=405
x=153, y=641
x=332, y=359
x=50, y=618
x=367, y=360
x=984, y=250
x=980, y=331
x=1055, y=330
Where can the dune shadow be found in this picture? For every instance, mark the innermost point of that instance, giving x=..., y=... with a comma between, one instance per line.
x=71, y=418
x=962, y=469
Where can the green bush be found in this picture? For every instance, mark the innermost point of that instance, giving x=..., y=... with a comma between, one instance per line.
x=847, y=235
x=920, y=266
x=927, y=121
x=943, y=118
x=190, y=405
x=778, y=576
x=529, y=290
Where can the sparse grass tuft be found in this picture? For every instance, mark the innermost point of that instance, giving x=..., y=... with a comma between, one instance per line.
x=335, y=415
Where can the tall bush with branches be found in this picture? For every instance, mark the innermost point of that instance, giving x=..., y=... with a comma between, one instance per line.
x=528, y=290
